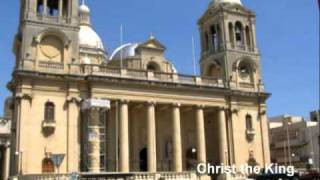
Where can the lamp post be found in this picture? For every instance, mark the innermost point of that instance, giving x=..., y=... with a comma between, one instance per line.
x=293, y=156
x=19, y=154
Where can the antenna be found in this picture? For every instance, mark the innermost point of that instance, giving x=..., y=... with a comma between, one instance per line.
x=121, y=43
x=194, y=57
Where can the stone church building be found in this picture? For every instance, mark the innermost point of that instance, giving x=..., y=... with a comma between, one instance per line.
x=130, y=112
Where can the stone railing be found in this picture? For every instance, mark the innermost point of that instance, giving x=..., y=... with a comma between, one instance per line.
x=247, y=85
x=52, y=19
x=104, y=70
x=45, y=66
x=42, y=66
x=118, y=176
x=110, y=71
x=43, y=177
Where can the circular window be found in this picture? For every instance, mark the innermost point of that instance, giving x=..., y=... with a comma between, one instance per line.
x=244, y=70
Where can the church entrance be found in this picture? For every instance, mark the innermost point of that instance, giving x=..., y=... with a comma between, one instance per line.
x=144, y=160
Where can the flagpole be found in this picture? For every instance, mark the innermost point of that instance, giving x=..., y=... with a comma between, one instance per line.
x=121, y=43
x=193, y=57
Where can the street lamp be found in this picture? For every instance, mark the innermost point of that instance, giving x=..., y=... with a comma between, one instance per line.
x=19, y=154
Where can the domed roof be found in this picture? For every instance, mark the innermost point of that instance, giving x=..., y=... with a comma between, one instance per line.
x=84, y=9
x=89, y=38
x=227, y=1
x=127, y=50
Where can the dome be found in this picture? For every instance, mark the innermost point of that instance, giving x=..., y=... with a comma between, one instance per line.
x=84, y=9
x=127, y=50
x=89, y=38
x=227, y=1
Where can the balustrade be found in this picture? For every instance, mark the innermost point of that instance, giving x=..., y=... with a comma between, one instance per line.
x=105, y=70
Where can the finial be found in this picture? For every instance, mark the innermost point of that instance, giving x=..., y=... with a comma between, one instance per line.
x=83, y=2
x=151, y=36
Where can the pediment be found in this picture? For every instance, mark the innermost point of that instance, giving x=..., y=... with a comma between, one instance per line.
x=153, y=43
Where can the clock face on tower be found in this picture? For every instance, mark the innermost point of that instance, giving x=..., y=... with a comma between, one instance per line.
x=244, y=71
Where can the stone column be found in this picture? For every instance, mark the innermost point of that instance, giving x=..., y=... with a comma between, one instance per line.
x=45, y=7
x=225, y=26
x=151, y=125
x=73, y=154
x=244, y=35
x=222, y=36
x=254, y=35
x=7, y=162
x=60, y=7
x=223, y=146
x=264, y=136
x=94, y=140
x=201, y=141
x=176, y=141
x=124, y=138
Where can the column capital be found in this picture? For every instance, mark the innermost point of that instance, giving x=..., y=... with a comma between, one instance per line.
x=221, y=108
x=151, y=103
x=124, y=101
x=20, y=96
x=176, y=105
x=73, y=99
x=262, y=112
x=199, y=106
x=234, y=110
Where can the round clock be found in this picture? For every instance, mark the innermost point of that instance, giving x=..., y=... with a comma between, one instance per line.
x=244, y=70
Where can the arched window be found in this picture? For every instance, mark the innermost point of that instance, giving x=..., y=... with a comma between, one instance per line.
x=47, y=166
x=49, y=111
x=206, y=37
x=214, y=71
x=231, y=35
x=40, y=7
x=53, y=8
x=248, y=37
x=152, y=67
x=239, y=34
x=249, y=122
x=214, y=38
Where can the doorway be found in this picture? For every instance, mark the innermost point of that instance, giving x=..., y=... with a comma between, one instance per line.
x=144, y=160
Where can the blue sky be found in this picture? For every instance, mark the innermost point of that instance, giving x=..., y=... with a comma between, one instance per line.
x=287, y=30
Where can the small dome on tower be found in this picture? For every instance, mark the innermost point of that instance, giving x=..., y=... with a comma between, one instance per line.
x=88, y=38
x=226, y=1
x=84, y=9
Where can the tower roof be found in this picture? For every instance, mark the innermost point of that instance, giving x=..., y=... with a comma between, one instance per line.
x=84, y=8
x=226, y=1
x=87, y=35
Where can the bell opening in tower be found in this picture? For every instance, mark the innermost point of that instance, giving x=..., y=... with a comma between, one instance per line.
x=52, y=7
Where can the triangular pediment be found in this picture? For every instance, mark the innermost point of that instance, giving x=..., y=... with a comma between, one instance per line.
x=153, y=43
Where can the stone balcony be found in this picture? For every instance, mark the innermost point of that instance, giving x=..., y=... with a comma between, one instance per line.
x=126, y=176
x=107, y=71
x=101, y=70
x=112, y=176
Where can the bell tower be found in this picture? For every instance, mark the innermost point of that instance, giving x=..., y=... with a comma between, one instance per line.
x=48, y=33
x=228, y=44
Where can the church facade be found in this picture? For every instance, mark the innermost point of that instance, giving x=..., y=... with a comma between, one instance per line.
x=132, y=111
